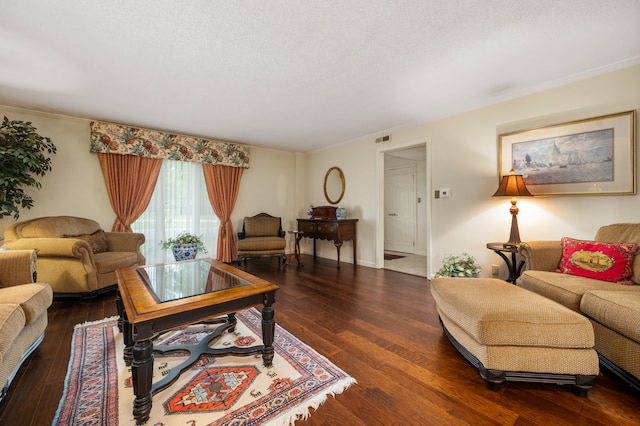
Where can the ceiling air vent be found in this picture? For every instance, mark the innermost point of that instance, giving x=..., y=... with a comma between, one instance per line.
x=385, y=138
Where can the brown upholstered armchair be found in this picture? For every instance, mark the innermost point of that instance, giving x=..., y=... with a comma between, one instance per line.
x=75, y=256
x=261, y=236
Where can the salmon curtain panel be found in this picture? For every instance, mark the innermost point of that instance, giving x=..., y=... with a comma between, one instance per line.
x=130, y=182
x=223, y=184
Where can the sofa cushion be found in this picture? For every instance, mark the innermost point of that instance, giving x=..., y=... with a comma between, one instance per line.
x=34, y=299
x=618, y=310
x=261, y=226
x=261, y=243
x=111, y=261
x=12, y=322
x=56, y=227
x=565, y=289
x=97, y=241
x=598, y=260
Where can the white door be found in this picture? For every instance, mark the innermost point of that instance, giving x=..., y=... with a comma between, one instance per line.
x=400, y=209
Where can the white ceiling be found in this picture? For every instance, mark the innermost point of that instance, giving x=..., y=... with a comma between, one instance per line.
x=300, y=75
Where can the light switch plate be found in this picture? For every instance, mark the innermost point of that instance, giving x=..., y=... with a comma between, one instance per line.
x=444, y=193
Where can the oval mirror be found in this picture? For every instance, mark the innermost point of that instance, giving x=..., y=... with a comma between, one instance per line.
x=334, y=185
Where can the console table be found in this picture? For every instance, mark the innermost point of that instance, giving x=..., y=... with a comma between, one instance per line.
x=336, y=230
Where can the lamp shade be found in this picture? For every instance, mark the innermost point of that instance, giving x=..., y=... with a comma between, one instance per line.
x=512, y=186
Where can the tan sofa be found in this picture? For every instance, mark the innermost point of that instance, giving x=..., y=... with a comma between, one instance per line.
x=75, y=256
x=261, y=236
x=613, y=309
x=23, y=312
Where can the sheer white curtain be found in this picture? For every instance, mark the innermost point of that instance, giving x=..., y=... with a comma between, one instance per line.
x=179, y=204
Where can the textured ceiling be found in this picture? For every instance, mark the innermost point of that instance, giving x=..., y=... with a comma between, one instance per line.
x=300, y=75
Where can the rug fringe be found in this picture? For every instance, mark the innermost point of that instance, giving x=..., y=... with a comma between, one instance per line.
x=289, y=418
x=100, y=321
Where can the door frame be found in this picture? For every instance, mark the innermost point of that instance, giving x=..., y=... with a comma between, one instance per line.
x=380, y=193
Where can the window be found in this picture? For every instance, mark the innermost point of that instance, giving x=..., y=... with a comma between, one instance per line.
x=179, y=204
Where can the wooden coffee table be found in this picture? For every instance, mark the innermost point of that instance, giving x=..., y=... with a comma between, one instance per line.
x=155, y=299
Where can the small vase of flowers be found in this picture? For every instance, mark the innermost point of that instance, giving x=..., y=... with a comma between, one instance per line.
x=184, y=246
x=459, y=266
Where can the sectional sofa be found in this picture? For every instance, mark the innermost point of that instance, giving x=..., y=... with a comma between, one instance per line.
x=613, y=307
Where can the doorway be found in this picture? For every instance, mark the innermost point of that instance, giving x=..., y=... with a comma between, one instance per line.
x=403, y=222
x=400, y=208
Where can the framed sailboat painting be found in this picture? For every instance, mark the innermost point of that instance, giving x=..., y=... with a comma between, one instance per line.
x=594, y=156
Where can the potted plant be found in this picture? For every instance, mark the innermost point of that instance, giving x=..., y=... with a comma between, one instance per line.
x=459, y=266
x=184, y=246
x=23, y=156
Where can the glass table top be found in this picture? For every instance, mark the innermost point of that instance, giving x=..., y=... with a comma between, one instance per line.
x=179, y=280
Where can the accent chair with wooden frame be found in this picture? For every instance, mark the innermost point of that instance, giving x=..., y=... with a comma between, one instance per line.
x=261, y=236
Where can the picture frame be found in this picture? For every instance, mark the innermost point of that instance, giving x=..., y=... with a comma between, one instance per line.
x=593, y=156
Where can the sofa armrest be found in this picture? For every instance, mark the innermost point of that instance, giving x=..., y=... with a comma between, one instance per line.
x=127, y=242
x=17, y=267
x=124, y=241
x=541, y=255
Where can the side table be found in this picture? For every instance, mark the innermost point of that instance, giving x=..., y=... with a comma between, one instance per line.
x=514, y=268
x=296, y=248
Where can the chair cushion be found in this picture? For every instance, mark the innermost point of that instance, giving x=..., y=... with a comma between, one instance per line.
x=34, y=299
x=261, y=226
x=111, y=261
x=261, y=244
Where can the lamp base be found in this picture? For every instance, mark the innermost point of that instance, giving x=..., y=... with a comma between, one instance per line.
x=514, y=237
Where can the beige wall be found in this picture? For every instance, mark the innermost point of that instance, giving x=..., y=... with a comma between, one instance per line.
x=462, y=156
x=75, y=185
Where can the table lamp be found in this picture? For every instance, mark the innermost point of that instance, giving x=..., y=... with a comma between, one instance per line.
x=513, y=186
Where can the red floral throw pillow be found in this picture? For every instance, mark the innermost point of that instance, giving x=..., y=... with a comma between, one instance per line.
x=602, y=261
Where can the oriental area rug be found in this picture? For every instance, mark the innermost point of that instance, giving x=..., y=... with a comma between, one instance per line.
x=227, y=390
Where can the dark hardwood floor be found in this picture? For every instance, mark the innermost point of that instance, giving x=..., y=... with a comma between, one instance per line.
x=380, y=327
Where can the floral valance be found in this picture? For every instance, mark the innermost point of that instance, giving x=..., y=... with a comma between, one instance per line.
x=117, y=139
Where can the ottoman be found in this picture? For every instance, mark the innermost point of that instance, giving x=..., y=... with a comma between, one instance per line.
x=512, y=334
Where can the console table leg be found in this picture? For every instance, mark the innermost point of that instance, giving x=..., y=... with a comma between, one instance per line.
x=268, y=329
x=142, y=375
x=338, y=245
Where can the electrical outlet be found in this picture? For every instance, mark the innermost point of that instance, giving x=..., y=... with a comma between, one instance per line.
x=495, y=270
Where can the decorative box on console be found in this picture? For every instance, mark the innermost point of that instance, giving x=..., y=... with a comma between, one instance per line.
x=324, y=212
